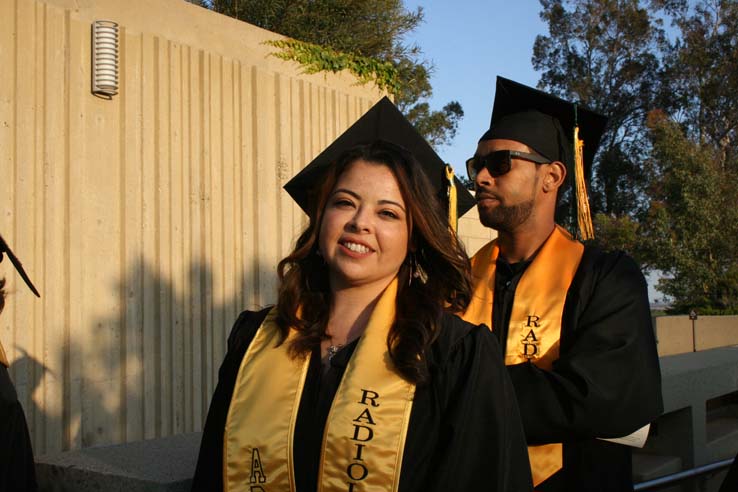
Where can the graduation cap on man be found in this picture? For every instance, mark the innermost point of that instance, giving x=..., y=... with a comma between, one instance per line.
x=385, y=122
x=557, y=129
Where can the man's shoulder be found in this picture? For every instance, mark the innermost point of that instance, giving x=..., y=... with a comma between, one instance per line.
x=599, y=264
x=609, y=264
x=457, y=337
x=608, y=273
x=453, y=329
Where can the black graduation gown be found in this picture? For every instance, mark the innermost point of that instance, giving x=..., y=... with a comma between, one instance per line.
x=464, y=432
x=607, y=380
x=17, y=469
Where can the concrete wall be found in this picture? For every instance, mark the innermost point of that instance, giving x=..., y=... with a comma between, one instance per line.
x=147, y=221
x=473, y=234
x=679, y=334
x=716, y=331
x=150, y=220
x=673, y=335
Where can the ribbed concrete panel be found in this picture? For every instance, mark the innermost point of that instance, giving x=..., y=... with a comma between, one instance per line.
x=149, y=220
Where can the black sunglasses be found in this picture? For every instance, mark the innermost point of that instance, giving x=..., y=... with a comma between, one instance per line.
x=499, y=162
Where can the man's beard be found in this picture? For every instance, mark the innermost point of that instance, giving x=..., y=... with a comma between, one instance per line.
x=506, y=218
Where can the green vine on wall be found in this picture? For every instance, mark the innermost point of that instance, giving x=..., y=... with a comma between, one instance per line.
x=317, y=59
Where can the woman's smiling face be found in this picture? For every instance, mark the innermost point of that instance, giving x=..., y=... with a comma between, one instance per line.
x=364, y=232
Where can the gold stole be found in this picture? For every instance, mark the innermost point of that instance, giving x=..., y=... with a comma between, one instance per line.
x=3, y=357
x=535, y=322
x=364, y=436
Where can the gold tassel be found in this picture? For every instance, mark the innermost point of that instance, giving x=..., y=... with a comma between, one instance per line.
x=452, y=219
x=584, y=217
x=3, y=357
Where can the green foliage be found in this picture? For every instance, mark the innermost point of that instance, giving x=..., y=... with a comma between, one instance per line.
x=602, y=54
x=706, y=311
x=703, y=78
x=322, y=59
x=363, y=37
x=438, y=127
x=372, y=29
x=617, y=233
x=665, y=184
x=690, y=229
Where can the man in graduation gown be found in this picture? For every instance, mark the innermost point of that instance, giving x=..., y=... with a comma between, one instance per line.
x=573, y=321
x=17, y=469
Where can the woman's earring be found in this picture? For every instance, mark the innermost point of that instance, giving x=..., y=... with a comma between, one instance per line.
x=414, y=269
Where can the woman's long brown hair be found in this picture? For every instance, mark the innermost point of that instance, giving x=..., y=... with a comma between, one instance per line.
x=304, y=294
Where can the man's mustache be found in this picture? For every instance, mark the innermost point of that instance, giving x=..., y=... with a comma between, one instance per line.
x=482, y=195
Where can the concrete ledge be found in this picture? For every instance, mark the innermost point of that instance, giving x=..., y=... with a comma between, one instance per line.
x=693, y=378
x=157, y=465
x=688, y=382
x=649, y=466
x=722, y=438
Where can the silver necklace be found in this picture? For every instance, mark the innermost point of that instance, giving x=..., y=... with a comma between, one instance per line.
x=333, y=350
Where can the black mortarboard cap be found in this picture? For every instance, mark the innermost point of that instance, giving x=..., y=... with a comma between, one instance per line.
x=382, y=122
x=5, y=249
x=545, y=123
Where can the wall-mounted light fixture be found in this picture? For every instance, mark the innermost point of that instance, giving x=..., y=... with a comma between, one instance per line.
x=105, y=58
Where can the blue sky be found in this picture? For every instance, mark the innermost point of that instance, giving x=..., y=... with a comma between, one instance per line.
x=470, y=42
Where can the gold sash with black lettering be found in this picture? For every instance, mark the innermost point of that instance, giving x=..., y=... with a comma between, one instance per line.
x=3, y=357
x=535, y=321
x=364, y=436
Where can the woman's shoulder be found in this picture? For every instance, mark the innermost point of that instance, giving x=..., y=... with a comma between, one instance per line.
x=244, y=329
x=459, y=339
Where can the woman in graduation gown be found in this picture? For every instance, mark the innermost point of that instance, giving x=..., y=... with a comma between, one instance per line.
x=17, y=468
x=360, y=379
